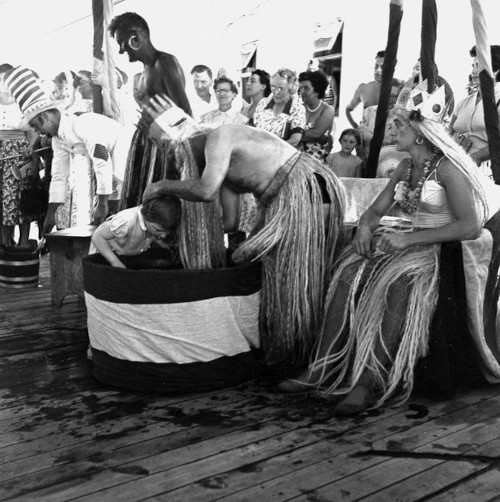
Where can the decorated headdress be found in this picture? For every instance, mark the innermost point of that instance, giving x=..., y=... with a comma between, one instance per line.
x=430, y=106
x=177, y=123
x=26, y=88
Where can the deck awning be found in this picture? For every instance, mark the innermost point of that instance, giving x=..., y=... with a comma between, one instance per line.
x=247, y=52
x=325, y=35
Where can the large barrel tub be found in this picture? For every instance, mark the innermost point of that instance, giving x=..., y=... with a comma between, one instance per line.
x=158, y=329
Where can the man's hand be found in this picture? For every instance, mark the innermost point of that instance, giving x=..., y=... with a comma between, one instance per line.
x=27, y=153
x=152, y=191
x=363, y=242
x=157, y=105
x=49, y=222
x=157, y=134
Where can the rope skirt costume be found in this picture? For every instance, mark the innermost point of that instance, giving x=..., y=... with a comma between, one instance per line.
x=297, y=243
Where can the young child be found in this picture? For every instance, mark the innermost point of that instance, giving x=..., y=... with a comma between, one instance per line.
x=344, y=163
x=132, y=231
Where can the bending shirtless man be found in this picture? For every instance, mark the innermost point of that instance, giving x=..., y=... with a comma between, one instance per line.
x=292, y=191
x=162, y=74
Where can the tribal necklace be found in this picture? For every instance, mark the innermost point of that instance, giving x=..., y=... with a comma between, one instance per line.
x=410, y=199
x=314, y=109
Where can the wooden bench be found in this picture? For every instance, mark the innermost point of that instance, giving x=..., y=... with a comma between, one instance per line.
x=67, y=248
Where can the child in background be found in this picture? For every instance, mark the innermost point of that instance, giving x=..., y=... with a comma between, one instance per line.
x=344, y=163
x=132, y=231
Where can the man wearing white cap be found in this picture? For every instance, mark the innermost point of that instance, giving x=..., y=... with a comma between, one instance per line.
x=103, y=139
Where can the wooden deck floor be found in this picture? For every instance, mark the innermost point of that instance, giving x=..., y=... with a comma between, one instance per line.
x=64, y=436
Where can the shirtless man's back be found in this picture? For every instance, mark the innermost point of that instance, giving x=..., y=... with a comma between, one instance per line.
x=245, y=159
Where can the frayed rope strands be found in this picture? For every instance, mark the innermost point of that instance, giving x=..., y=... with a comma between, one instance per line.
x=297, y=243
x=201, y=239
x=359, y=344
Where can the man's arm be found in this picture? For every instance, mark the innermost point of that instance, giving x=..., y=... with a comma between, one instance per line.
x=58, y=187
x=174, y=81
x=217, y=155
x=355, y=101
x=59, y=172
x=96, y=142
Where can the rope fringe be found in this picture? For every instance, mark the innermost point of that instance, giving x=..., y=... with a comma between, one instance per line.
x=297, y=242
x=201, y=233
x=359, y=344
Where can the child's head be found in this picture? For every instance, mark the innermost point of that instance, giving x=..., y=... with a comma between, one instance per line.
x=161, y=215
x=349, y=140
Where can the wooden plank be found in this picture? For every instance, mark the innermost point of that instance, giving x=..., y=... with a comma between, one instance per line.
x=423, y=470
x=481, y=487
x=310, y=436
x=113, y=415
x=117, y=444
x=289, y=476
x=441, y=475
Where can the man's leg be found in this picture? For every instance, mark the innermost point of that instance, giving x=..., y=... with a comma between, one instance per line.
x=230, y=202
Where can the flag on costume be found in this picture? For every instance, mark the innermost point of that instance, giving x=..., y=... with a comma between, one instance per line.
x=391, y=51
x=428, y=42
x=104, y=71
x=487, y=83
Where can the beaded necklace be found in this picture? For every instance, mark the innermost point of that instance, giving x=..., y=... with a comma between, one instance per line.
x=315, y=109
x=410, y=199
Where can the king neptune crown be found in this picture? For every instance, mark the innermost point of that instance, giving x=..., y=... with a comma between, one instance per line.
x=431, y=106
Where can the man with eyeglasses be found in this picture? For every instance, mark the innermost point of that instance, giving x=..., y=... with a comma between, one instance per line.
x=225, y=92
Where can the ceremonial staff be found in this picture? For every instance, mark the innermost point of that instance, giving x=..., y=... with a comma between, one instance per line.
x=20, y=154
x=391, y=51
x=487, y=83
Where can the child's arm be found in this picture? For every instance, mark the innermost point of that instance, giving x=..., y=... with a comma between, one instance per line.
x=100, y=240
x=359, y=168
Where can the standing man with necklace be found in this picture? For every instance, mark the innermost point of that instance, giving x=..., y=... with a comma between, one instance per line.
x=162, y=74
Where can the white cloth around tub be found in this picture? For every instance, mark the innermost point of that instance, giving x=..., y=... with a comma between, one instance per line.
x=172, y=330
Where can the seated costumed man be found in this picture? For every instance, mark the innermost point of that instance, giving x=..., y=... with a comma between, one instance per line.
x=298, y=230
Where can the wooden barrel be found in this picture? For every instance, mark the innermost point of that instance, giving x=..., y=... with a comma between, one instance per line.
x=19, y=268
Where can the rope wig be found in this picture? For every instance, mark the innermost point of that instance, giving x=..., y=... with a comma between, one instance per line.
x=201, y=239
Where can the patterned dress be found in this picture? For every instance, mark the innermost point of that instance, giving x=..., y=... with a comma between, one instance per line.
x=11, y=188
x=345, y=167
x=292, y=119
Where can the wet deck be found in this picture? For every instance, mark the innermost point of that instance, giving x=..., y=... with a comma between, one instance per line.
x=64, y=436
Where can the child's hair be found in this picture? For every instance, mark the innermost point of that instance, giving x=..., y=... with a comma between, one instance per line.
x=351, y=132
x=164, y=211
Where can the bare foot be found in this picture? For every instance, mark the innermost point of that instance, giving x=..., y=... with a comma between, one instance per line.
x=356, y=401
x=302, y=383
